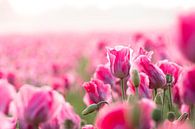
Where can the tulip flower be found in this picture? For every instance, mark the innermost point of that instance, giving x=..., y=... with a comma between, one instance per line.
x=170, y=68
x=96, y=91
x=36, y=105
x=103, y=73
x=119, y=59
x=187, y=35
x=155, y=74
x=7, y=94
x=114, y=117
x=188, y=87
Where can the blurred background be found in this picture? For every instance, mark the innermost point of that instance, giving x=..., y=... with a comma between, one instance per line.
x=88, y=15
x=60, y=42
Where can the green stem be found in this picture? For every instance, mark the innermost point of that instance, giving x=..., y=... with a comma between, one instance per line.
x=170, y=97
x=192, y=115
x=163, y=105
x=123, y=89
x=137, y=92
x=155, y=93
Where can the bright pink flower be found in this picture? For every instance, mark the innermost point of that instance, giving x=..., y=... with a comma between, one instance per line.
x=96, y=91
x=119, y=59
x=185, y=109
x=176, y=95
x=146, y=107
x=103, y=73
x=7, y=122
x=65, y=118
x=88, y=127
x=114, y=117
x=155, y=74
x=7, y=94
x=143, y=88
x=187, y=35
x=188, y=87
x=36, y=105
x=170, y=68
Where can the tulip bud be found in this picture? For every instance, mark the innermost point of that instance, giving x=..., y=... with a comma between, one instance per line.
x=91, y=108
x=157, y=115
x=171, y=116
x=135, y=77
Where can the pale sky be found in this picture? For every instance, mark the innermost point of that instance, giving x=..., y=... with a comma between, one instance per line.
x=60, y=15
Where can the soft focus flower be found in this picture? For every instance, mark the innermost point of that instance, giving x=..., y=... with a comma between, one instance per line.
x=103, y=73
x=114, y=117
x=64, y=119
x=170, y=68
x=176, y=95
x=96, y=91
x=146, y=107
x=155, y=74
x=119, y=59
x=7, y=94
x=187, y=35
x=143, y=88
x=188, y=87
x=36, y=105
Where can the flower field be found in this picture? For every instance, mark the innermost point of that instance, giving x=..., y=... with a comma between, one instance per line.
x=110, y=80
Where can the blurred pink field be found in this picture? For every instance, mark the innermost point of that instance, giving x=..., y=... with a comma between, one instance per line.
x=99, y=80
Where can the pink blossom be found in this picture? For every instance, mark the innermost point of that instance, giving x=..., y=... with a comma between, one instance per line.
x=103, y=73
x=170, y=68
x=114, y=117
x=188, y=86
x=146, y=107
x=187, y=35
x=155, y=74
x=96, y=91
x=65, y=117
x=36, y=105
x=119, y=59
x=7, y=94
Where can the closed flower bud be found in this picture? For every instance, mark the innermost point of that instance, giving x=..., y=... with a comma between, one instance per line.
x=135, y=77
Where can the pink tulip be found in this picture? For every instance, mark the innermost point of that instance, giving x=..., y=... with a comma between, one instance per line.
x=114, y=117
x=155, y=74
x=146, y=107
x=96, y=91
x=88, y=127
x=103, y=73
x=188, y=86
x=65, y=118
x=143, y=87
x=7, y=94
x=170, y=68
x=187, y=35
x=119, y=59
x=176, y=95
x=36, y=105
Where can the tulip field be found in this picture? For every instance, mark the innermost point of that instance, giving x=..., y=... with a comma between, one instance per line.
x=111, y=80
